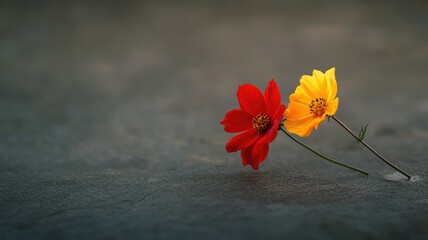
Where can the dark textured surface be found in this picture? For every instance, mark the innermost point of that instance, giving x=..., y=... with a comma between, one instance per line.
x=109, y=120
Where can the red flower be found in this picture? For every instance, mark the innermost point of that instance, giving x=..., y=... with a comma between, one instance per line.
x=258, y=120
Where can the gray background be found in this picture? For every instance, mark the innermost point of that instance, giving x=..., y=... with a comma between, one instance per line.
x=109, y=124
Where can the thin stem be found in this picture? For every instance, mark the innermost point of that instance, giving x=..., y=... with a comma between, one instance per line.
x=321, y=155
x=370, y=148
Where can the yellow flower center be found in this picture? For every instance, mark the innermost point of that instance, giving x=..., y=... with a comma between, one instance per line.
x=261, y=123
x=318, y=106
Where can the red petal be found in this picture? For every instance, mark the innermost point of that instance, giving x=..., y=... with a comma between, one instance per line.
x=251, y=99
x=269, y=136
x=246, y=155
x=237, y=120
x=280, y=112
x=272, y=98
x=271, y=133
x=242, y=140
x=259, y=154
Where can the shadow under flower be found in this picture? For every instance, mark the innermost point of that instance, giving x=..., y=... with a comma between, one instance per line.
x=270, y=187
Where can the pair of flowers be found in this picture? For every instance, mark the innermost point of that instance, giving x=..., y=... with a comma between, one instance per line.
x=261, y=116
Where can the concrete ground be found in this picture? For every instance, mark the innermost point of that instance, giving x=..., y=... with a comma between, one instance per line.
x=109, y=124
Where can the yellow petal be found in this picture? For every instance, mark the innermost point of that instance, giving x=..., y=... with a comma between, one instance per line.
x=331, y=78
x=332, y=107
x=302, y=95
x=318, y=75
x=321, y=82
x=320, y=78
x=297, y=111
x=303, y=127
x=309, y=85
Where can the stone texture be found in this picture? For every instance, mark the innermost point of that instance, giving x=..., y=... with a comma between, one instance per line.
x=109, y=125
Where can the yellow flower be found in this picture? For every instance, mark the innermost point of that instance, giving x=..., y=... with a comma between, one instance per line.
x=314, y=100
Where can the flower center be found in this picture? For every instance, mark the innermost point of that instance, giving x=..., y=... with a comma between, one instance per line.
x=261, y=123
x=318, y=106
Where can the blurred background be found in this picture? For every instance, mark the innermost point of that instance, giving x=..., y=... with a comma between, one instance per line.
x=110, y=113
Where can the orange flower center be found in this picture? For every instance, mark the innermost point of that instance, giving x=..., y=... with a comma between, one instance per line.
x=261, y=123
x=318, y=106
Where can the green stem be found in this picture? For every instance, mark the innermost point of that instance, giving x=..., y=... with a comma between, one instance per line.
x=321, y=155
x=370, y=148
